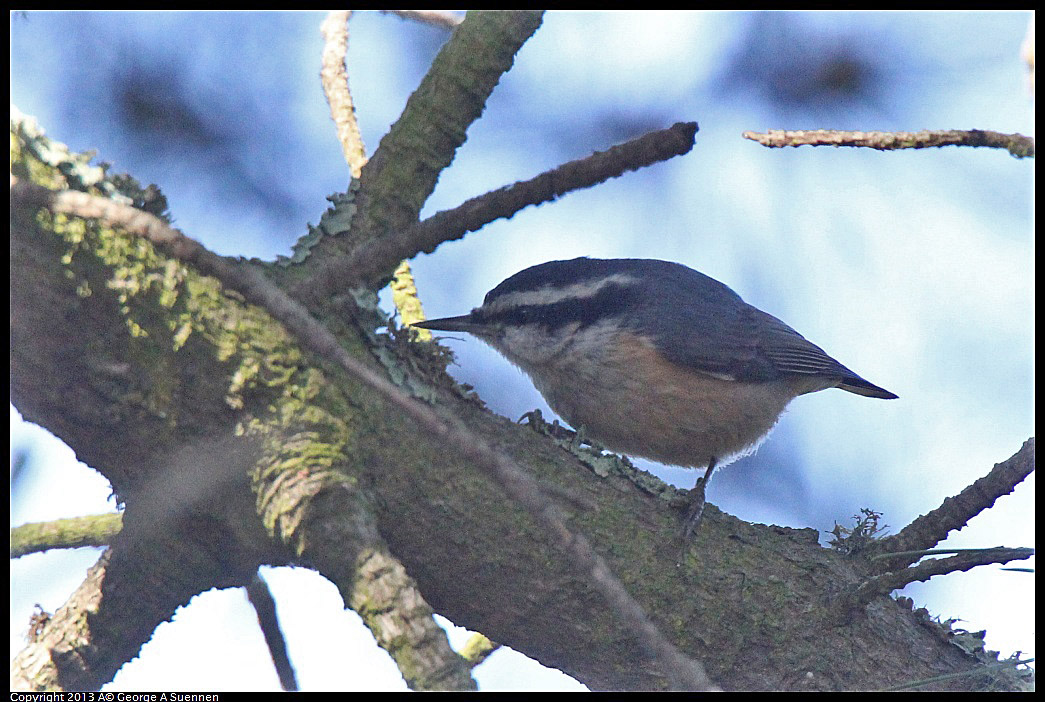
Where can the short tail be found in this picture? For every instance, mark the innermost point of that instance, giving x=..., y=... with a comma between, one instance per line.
x=862, y=387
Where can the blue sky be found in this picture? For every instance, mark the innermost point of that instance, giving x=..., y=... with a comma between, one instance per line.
x=915, y=269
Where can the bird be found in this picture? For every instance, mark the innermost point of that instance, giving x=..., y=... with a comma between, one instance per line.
x=653, y=359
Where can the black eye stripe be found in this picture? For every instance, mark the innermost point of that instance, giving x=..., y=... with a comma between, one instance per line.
x=608, y=302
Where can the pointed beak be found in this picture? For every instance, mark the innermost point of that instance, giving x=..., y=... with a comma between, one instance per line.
x=464, y=323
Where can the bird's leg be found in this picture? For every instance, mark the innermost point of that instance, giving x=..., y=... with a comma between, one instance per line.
x=696, y=504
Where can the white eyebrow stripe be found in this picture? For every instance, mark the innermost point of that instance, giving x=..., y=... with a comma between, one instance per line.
x=551, y=294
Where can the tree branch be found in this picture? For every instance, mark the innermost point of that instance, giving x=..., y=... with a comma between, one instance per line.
x=887, y=582
x=402, y=173
x=436, y=18
x=470, y=216
x=1016, y=144
x=335, y=86
x=684, y=672
x=75, y=532
x=264, y=604
x=955, y=512
x=391, y=606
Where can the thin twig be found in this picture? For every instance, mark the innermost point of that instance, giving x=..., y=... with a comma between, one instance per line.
x=437, y=18
x=955, y=512
x=978, y=670
x=335, y=86
x=74, y=532
x=421, y=144
x=931, y=552
x=264, y=604
x=406, y=300
x=685, y=672
x=1018, y=145
x=887, y=582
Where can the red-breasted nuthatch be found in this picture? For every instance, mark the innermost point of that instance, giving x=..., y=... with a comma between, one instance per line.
x=653, y=359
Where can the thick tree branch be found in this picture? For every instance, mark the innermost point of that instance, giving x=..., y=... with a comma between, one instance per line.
x=684, y=673
x=720, y=603
x=402, y=173
x=130, y=591
x=385, y=596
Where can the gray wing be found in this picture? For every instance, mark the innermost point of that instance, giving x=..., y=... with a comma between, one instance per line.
x=717, y=333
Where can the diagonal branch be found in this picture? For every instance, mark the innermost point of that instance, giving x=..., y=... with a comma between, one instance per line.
x=335, y=86
x=955, y=512
x=470, y=216
x=257, y=289
x=404, y=169
x=264, y=604
x=887, y=582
